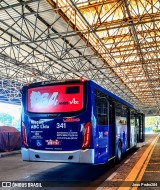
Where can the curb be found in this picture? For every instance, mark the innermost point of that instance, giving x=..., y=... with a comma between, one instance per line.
x=3, y=154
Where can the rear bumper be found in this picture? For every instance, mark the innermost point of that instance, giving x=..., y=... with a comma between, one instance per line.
x=77, y=156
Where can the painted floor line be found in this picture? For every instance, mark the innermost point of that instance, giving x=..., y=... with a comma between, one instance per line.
x=136, y=171
x=108, y=179
x=99, y=188
x=111, y=176
x=152, y=171
x=122, y=188
x=143, y=169
x=127, y=161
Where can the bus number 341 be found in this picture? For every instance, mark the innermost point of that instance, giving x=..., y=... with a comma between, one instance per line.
x=61, y=125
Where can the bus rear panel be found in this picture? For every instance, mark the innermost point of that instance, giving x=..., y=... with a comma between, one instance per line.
x=56, y=124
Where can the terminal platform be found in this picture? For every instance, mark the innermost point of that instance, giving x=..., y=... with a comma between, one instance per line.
x=141, y=170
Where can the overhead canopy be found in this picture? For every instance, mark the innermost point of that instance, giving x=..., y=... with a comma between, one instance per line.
x=115, y=43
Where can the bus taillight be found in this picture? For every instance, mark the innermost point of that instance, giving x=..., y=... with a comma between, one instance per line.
x=24, y=136
x=86, y=135
x=83, y=80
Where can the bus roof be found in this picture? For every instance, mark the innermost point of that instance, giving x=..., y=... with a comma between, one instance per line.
x=111, y=94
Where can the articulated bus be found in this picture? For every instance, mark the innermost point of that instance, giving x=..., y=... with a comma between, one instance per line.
x=75, y=121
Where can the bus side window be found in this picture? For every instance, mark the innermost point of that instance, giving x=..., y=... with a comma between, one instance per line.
x=101, y=104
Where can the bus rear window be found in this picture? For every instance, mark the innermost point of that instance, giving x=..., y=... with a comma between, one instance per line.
x=55, y=99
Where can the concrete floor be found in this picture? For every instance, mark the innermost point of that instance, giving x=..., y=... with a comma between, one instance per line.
x=67, y=176
x=12, y=168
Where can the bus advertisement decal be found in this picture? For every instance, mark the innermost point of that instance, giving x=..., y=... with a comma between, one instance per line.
x=70, y=119
x=67, y=135
x=55, y=99
x=36, y=134
x=53, y=142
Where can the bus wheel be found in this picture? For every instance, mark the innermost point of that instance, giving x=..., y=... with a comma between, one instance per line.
x=119, y=153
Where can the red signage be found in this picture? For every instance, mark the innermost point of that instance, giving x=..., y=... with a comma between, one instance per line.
x=55, y=99
x=70, y=119
x=53, y=142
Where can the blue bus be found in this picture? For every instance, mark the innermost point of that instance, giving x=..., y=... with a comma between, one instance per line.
x=75, y=121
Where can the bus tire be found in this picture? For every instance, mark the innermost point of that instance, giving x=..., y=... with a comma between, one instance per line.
x=119, y=151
